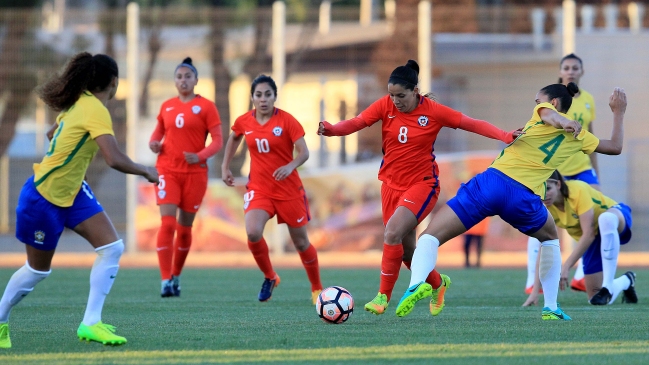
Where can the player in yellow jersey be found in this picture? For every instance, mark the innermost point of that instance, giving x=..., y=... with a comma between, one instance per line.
x=600, y=225
x=57, y=196
x=578, y=166
x=513, y=188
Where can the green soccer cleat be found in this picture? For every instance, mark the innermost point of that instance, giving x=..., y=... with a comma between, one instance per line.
x=437, y=298
x=414, y=294
x=548, y=315
x=5, y=341
x=378, y=305
x=100, y=332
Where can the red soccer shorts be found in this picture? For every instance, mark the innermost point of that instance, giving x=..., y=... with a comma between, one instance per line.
x=185, y=190
x=294, y=212
x=420, y=199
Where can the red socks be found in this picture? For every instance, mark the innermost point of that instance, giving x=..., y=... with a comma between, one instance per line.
x=310, y=261
x=165, y=245
x=434, y=279
x=390, y=265
x=181, y=248
x=260, y=253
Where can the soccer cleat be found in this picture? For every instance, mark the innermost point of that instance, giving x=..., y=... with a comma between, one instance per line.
x=175, y=286
x=100, y=332
x=547, y=314
x=414, y=294
x=603, y=297
x=378, y=305
x=314, y=295
x=267, y=288
x=629, y=294
x=166, y=289
x=437, y=297
x=528, y=290
x=578, y=285
x=5, y=341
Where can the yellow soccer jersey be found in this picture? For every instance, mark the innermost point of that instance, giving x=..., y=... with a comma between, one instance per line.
x=533, y=156
x=582, y=197
x=583, y=111
x=59, y=175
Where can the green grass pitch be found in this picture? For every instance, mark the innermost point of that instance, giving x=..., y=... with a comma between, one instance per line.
x=219, y=320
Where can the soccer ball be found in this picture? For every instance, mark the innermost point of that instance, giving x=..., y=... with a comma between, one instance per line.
x=334, y=305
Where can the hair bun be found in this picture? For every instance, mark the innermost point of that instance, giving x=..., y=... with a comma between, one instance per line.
x=573, y=89
x=413, y=65
x=188, y=60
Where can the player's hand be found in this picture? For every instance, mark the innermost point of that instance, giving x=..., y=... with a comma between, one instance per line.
x=50, y=132
x=227, y=177
x=533, y=299
x=572, y=126
x=191, y=158
x=617, y=101
x=282, y=172
x=151, y=175
x=323, y=128
x=518, y=132
x=155, y=146
x=563, y=279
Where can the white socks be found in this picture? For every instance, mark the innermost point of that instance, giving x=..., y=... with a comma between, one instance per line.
x=22, y=282
x=610, y=247
x=533, y=246
x=550, y=272
x=424, y=259
x=102, y=276
x=619, y=285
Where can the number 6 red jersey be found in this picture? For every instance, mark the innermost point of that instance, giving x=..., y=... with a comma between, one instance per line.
x=271, y=146
x=185, y=127
x=408, y=139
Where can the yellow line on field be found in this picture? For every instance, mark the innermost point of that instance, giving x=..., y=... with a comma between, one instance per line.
x=396, y=352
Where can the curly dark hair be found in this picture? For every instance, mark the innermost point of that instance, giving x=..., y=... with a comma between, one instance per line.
x=83, y=72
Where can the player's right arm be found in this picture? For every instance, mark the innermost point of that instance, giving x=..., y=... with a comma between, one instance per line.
x=155, y=142
x=553, y=118
x=366, y=118
x=613, y=146
x=230, y=148
x=117, y=160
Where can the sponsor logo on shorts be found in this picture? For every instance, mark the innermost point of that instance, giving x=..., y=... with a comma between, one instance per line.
x=196, y=109
x=277, y=131
x=408, y=201
x=300, y=220
x=39, y=237
x=423, y=121
x=162, y=194
x=196, y=206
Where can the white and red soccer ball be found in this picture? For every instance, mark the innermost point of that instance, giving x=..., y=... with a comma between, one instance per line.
x=334, y=305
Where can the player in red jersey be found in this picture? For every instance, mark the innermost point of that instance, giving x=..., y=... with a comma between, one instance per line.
x=274, y=186
x=410, y=189
x=183, y=122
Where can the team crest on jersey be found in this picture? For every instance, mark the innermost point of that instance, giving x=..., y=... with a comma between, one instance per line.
x=575, y=216
x=162, y=194
x=423, y=121
x=587, y=106
x=196, y=109
x=39, y=237
x=277, y=131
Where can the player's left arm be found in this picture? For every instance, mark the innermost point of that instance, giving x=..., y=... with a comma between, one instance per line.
x=587, y=224
x=553, y=118
x=210, y=150
x=593, y=156
x=302, y=155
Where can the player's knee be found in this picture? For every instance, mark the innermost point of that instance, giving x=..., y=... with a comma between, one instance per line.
x=255, y=235
x=392, y=236
x=608, y=223
x=112, y=250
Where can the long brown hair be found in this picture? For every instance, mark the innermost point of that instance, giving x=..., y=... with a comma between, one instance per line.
x=564, y=188
x=83, y=72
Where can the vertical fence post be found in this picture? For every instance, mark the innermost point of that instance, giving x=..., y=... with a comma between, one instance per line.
x=636, y=14
x=324, y=17
x=538, y=27
x=279, y=44
x=132, y=50
x=568, y=29
x=425, y=46
x=587, y=18
x=610, y=16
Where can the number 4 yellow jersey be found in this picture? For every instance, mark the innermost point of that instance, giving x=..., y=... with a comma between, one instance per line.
x=534, y=155
x=583, y=111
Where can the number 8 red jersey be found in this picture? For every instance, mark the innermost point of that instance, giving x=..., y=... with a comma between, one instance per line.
x=271, y=146
x=409, y=138
x=185, y=127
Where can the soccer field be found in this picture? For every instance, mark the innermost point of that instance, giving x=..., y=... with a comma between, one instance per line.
x=219, y=320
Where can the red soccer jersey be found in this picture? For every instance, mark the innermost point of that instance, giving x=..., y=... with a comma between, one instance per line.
x=409, y=139
x=271, y=146
x=185, y=127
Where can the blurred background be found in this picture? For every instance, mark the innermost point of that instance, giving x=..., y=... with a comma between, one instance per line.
x=331, y=59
